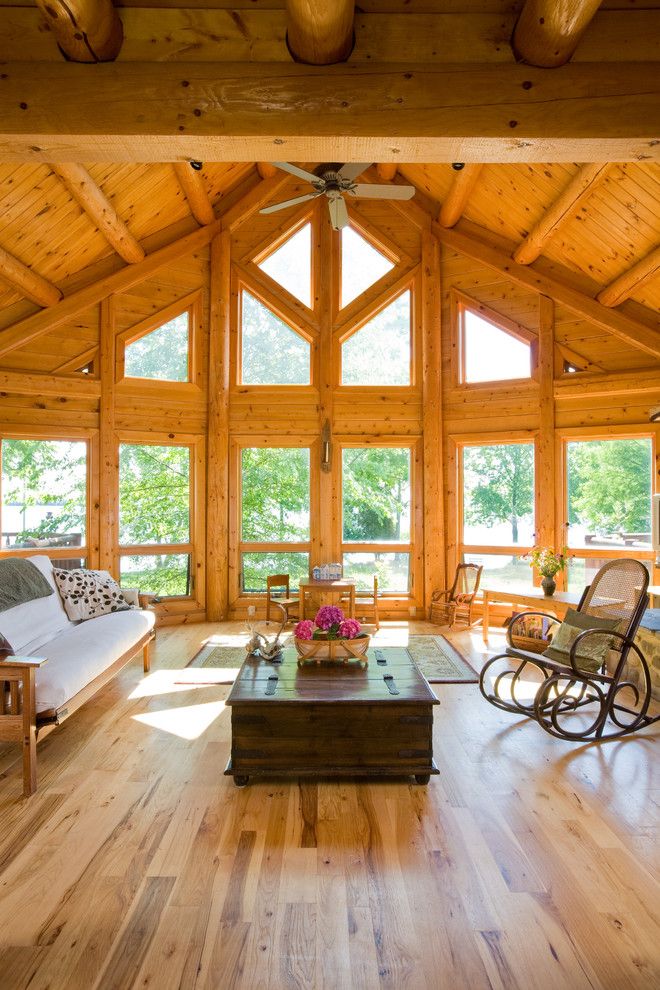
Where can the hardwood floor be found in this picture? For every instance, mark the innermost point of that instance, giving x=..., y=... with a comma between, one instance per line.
x=528, y=863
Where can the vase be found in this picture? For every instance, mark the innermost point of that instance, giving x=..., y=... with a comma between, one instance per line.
x=549, y=586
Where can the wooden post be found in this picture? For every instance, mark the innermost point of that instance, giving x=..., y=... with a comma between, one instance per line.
x=457, y=198
x=28, y=283
x=85, y=30
x=217, y=508
x=547, y=32
x=545, y=456
x=434, y=517
x=326, y=284
x=318, y=32
x=108, y=455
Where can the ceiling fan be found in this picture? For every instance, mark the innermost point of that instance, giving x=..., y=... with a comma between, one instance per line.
x=335, y=182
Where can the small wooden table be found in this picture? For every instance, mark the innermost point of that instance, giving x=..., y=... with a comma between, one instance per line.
x=309, y=585
x=559, y=603
x=332, y=720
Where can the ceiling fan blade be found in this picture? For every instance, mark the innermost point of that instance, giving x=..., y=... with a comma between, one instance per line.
x=290, y=202
x=367, y=191
x=338, y=213
x=300, y=173
x=352, y=169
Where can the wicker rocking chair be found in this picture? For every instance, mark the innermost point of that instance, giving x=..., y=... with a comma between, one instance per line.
x=604, y=677
x=456, y=602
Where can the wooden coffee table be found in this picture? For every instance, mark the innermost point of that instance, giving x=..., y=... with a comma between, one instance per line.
x=332, y=720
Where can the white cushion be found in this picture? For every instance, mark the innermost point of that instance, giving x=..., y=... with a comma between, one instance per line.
x=83, y=652
x=31, y=624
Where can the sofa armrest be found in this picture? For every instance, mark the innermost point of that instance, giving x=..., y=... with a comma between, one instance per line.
x=132, y=595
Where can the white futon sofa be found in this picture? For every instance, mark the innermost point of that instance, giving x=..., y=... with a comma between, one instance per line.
x=80, y=658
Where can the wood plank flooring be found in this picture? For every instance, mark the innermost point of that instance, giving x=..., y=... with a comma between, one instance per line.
x=528, y=863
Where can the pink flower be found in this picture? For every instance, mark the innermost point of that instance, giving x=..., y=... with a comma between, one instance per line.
x=328, y=615
x=349, y=629
x=304, y=629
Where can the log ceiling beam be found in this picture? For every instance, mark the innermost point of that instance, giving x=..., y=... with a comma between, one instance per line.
x=634, y=333
x=254, y=111
x=320, y=32
x=461, y=189
x=93, y=201
x=195, y=191
x=386, y=171
x=576, y=192
x=85, y=30
x=28, y=283
x=548, y=32
x=266, y=170
x=631, y=280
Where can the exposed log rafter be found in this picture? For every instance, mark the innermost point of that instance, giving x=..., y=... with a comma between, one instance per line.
x=578, y=190
x=319, y=32
x=30, y=284
x=547, y=32
x=461, y=188
x=85, y=30
x=100, y=210
x=386, y=171
x=631, y=280
x=195, y=191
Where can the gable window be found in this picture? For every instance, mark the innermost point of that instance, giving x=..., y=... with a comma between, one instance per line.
x=361, y=265
x=379, y=353
x=271, y=352
x=491, y=347
x=44, y=497
x=290, y=265
x=163, y=353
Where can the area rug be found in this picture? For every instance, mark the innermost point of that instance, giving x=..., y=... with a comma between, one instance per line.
x=436, y=657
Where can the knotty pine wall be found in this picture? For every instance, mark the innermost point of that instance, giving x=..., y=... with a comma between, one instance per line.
x=42, y=395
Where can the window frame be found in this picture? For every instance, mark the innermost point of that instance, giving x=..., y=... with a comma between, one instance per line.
x=195, y=546
x=585, y=434
x=413, y=547
x=273, y=243
x=191, y=304
x=379, y=243
x=459, y=302
x=89, y=550
x=238, y=546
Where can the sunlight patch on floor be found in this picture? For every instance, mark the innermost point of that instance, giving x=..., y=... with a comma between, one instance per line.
x=189, y=722
x=174, y=681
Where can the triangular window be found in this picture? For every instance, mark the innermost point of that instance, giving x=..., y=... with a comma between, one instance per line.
x=490, y=353
x=271, y=352
x=379, y=353
x=290, y=265
x=361, y=265
x=161, y=354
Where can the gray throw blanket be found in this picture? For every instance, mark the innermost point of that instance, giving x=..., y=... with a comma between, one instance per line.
x=21, y=581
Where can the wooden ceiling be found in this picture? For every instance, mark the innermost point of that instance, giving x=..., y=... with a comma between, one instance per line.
x=594, y=227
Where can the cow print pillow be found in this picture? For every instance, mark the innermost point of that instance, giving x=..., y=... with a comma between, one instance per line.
x=88, y=594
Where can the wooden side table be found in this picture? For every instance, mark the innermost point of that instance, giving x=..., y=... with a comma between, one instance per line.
x=18, y=718
x=309, y=586
x=559, y=603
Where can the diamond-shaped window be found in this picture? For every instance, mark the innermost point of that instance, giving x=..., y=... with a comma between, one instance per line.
x=361, y=265
x=290, y=265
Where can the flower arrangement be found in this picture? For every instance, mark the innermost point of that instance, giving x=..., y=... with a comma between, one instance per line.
x=547, y=561
x=329, y=623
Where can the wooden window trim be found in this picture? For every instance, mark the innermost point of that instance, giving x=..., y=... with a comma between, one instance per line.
x=271, y=243
x=459, y=302
x=89, y=551
x=192, y=304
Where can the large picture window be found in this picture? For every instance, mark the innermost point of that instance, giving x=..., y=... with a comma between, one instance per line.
x=44, y=495
x=497, y=509
x=376, y=517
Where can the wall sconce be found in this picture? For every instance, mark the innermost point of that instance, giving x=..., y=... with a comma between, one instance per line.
x=326, y=448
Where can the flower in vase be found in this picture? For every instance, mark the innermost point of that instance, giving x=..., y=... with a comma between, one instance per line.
x=349, y=629
x=304, y=629
x=328, y=616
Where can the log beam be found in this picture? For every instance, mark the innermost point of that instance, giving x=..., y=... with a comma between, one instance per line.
x=26, y=282
x=563, y=208
x=254, y=111
x=461, y=188
x=386, y=171
x=100, y=210
x=266, y=170
x=318, y=32
x=85, y=30
x=547, y=32
x=192, y=185
x=630, y=281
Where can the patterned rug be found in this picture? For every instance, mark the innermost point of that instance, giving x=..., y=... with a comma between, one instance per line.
x=436, y=657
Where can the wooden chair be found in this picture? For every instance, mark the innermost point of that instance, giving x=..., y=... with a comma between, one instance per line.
x=456, y=603
x=610, y=687
x=369, y=602
x=280, y=599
